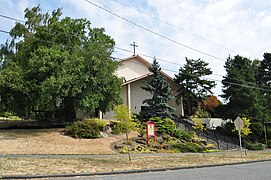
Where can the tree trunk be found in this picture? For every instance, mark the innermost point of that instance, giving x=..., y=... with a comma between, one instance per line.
x=127, y=139
x=69, y=109
x=189, y=108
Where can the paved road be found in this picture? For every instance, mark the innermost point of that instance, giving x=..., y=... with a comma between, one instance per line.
x=250, y=171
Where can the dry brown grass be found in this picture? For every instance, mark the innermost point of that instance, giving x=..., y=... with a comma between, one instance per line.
x=26, y=166
x=53, y=141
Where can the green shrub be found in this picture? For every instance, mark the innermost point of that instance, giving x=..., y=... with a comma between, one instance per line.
x=10, y=116
x=117, y=128
x=101, y=123
x=227, y=130
x=164, y=125
x=83, y=129
x=211, y=150
x=14, y=118
x=269, y=143
x=188, y=147
x=254, y=146
x=184, y=134
x=6, y=114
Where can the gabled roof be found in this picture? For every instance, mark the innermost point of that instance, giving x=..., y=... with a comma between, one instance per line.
x=136, y=79
x=147, y=64
x=139, y=58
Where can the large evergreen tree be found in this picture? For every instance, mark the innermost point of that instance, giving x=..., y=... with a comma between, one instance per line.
x=161, y=93
x=264, y=79
x=55, y=66
x=243, y=93
x=193, y=86
x=240, y=87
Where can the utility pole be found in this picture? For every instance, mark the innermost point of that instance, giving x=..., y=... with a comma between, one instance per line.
x=134, y=46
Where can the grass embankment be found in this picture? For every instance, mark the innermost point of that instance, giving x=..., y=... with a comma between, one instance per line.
x=53, y=141
x=33, y=166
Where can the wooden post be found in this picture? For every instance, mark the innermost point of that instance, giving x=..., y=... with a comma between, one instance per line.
x=265, y=134
x=129, y=155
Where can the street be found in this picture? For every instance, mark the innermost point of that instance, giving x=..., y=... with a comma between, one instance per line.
x=250, y=171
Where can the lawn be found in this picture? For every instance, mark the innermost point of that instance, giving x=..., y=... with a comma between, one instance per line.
x=31, y=166
x=53, y=141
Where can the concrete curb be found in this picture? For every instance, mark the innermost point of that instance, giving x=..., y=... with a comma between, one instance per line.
x=125, y=171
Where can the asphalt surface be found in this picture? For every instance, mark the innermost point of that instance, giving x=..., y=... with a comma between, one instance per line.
x=247, y=171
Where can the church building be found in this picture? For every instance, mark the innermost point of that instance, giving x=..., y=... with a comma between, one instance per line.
x=134, y=71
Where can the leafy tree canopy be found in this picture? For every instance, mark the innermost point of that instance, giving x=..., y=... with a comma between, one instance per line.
x=57, y=65
x=124, y=116
x=211, y=104
x=246, y=130
x=193, y=86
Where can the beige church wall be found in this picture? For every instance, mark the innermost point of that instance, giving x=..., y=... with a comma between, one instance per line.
x=80, y=114
x=108, y=115
x=124, y=96
x=138, y=95
x=132, y=69
x=178, y=108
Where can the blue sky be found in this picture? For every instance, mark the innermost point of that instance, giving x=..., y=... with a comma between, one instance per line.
x=215, y=27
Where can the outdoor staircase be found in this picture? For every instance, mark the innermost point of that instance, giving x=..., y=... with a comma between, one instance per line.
x=221, y=141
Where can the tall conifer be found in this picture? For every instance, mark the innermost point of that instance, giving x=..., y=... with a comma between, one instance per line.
x=160, y=90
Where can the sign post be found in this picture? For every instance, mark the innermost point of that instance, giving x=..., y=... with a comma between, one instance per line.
x=150, y=130
x=239, y=125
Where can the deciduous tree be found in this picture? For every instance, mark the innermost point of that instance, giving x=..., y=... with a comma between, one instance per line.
x=210, y=104
x=123, y=115
x=58, y=65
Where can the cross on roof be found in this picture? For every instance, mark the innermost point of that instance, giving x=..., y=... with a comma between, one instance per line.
x=134, y=46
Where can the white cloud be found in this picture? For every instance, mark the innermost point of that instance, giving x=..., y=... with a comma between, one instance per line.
x=243, y=26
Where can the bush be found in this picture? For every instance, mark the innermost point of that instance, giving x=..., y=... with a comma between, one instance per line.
x=212, y=150
x=5, y=114
x=254, y=146
x=164, y=126
x=184, y=134
x=269, y=143
x=117, y=128
x=9, y=116
x=101, y=123
x=84, y=129
x=188, y=147
x=227, y=130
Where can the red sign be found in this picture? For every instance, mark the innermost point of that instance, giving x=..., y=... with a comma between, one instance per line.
x=150, y=130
